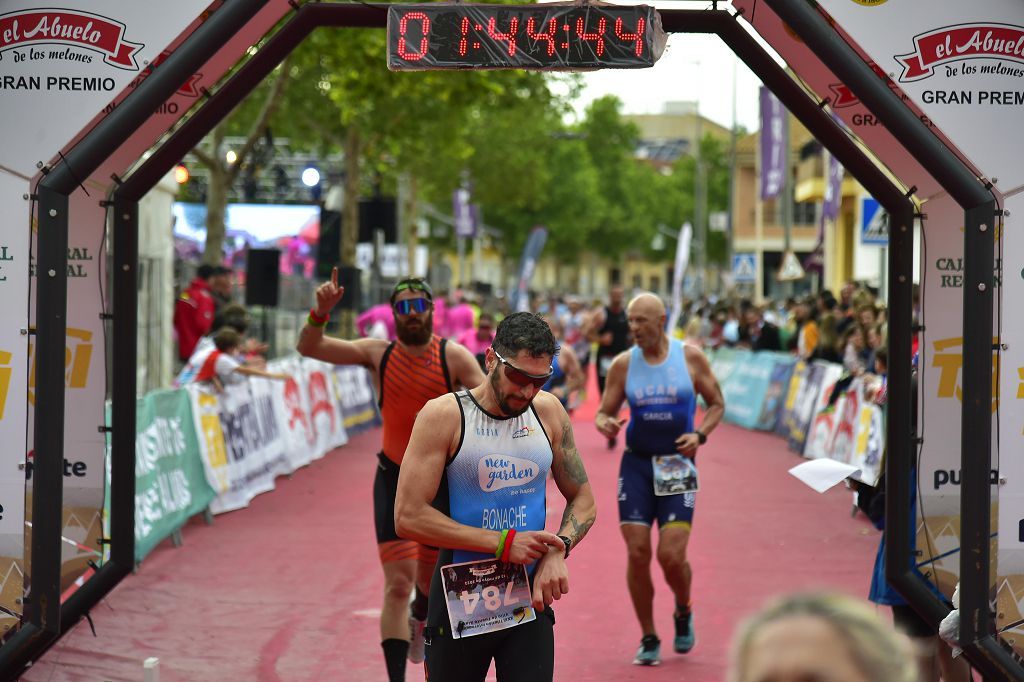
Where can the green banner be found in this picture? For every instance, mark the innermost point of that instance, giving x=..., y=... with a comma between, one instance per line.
x=170, y=484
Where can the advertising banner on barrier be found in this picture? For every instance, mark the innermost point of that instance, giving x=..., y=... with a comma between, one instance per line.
x=960, y=63
x=170, y=484
x=787, y=409
x=746, y=387
x=252, y=451
x=851, y=431
x=778, y=389
x=308, y=409
x=812, y=399
x=357, y=397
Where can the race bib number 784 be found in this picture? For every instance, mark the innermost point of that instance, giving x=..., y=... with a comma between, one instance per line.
x=486, y=596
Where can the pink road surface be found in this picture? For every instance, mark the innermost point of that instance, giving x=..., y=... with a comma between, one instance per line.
x=290, y=588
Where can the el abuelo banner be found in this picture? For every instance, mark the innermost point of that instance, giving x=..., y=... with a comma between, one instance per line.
x=960, y=63
x=61, y=65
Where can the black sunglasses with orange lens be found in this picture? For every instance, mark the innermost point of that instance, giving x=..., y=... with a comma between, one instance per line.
x=521, y=378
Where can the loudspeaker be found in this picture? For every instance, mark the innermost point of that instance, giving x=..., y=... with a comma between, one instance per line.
x=349, y=278
x=378, y=213
x=263, y=277
x=328, y=249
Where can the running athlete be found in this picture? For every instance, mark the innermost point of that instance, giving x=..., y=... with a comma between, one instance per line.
x=661, y=378
x=567, y=377
x=473, y=483
x=408, y=372
x=610, y=330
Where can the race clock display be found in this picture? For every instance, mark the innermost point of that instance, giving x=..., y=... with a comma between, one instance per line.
x=535, y=37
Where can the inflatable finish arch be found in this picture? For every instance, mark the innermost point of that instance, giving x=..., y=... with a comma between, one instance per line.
x=47, y=618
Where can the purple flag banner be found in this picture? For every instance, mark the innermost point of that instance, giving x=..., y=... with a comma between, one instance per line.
x=463, y=214
x=773, y=144
x=833, y=191
x=829, y=211
x=531, y=253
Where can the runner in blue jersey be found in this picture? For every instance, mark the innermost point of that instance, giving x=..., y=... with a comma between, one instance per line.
x=661, y=378
x=473, y=483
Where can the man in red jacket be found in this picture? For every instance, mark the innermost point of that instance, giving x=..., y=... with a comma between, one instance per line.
x=193, y=312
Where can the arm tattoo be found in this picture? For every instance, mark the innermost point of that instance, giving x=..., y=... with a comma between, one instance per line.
x=572, y=465
x=579, y=528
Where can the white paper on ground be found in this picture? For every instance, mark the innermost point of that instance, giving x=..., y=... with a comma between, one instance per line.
x=822, y=474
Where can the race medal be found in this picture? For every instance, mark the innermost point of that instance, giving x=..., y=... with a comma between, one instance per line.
x=486, y=596
x=674, y=475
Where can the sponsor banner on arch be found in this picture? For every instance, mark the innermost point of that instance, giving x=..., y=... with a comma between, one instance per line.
x=61, y=65
x=940, y=391
x=961, y=64
x=13, y=378
x=1010, y=556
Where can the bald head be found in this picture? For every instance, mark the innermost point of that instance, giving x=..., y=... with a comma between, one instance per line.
x=648, y=305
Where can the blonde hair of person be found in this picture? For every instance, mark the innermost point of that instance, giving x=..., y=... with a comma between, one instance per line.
x=877, y=650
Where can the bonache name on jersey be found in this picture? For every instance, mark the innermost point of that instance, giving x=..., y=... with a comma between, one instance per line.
x=508, y=517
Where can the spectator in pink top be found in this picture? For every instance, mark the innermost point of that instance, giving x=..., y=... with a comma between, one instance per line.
x=377, y=322
x=479, y=340
x=460, y=319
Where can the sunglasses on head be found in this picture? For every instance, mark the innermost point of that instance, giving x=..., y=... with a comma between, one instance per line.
x=521, y=378
x=412, y=305
x=412, y=284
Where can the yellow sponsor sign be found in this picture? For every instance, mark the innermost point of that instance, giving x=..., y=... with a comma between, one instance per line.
x=5, y=379
x=77, y=359
x=950, y=363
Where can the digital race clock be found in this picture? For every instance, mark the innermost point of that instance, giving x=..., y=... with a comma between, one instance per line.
x=549, y=36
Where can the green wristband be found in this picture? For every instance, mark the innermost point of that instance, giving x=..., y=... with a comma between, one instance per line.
x=501, y=544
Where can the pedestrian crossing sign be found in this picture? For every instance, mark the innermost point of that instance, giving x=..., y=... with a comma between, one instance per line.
x=874, y=223
x=744, y=267
x=791, y=268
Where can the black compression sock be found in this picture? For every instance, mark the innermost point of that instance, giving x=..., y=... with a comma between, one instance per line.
x=419, y=606
x=395, y=651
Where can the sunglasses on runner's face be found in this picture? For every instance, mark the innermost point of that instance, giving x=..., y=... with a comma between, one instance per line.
x=521, y=378
x=412, y=305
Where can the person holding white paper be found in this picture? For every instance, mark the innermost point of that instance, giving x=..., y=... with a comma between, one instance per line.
x=661, y=378
x=473, y=482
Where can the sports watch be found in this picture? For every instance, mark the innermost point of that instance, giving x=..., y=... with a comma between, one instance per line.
x=568, y=543
x=701, y=437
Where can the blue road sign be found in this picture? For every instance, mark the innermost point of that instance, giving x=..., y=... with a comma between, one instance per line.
x=744, y=267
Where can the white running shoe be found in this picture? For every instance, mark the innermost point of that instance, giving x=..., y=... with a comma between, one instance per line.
x=416, y=645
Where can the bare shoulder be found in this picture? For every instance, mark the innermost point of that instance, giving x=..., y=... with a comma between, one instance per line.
x=695, y=355
x=621, y=361
x=373, y=350
x=550, y=411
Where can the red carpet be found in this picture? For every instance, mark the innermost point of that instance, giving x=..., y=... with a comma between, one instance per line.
x=289, y=589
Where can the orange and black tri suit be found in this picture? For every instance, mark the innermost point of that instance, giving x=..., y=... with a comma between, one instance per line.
x=406, y=383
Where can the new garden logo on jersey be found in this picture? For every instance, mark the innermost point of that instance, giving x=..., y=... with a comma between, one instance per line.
x=503, y=471
x=72, y=28
x=958, y=43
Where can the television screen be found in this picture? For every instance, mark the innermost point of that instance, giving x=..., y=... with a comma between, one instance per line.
x=292, y=228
